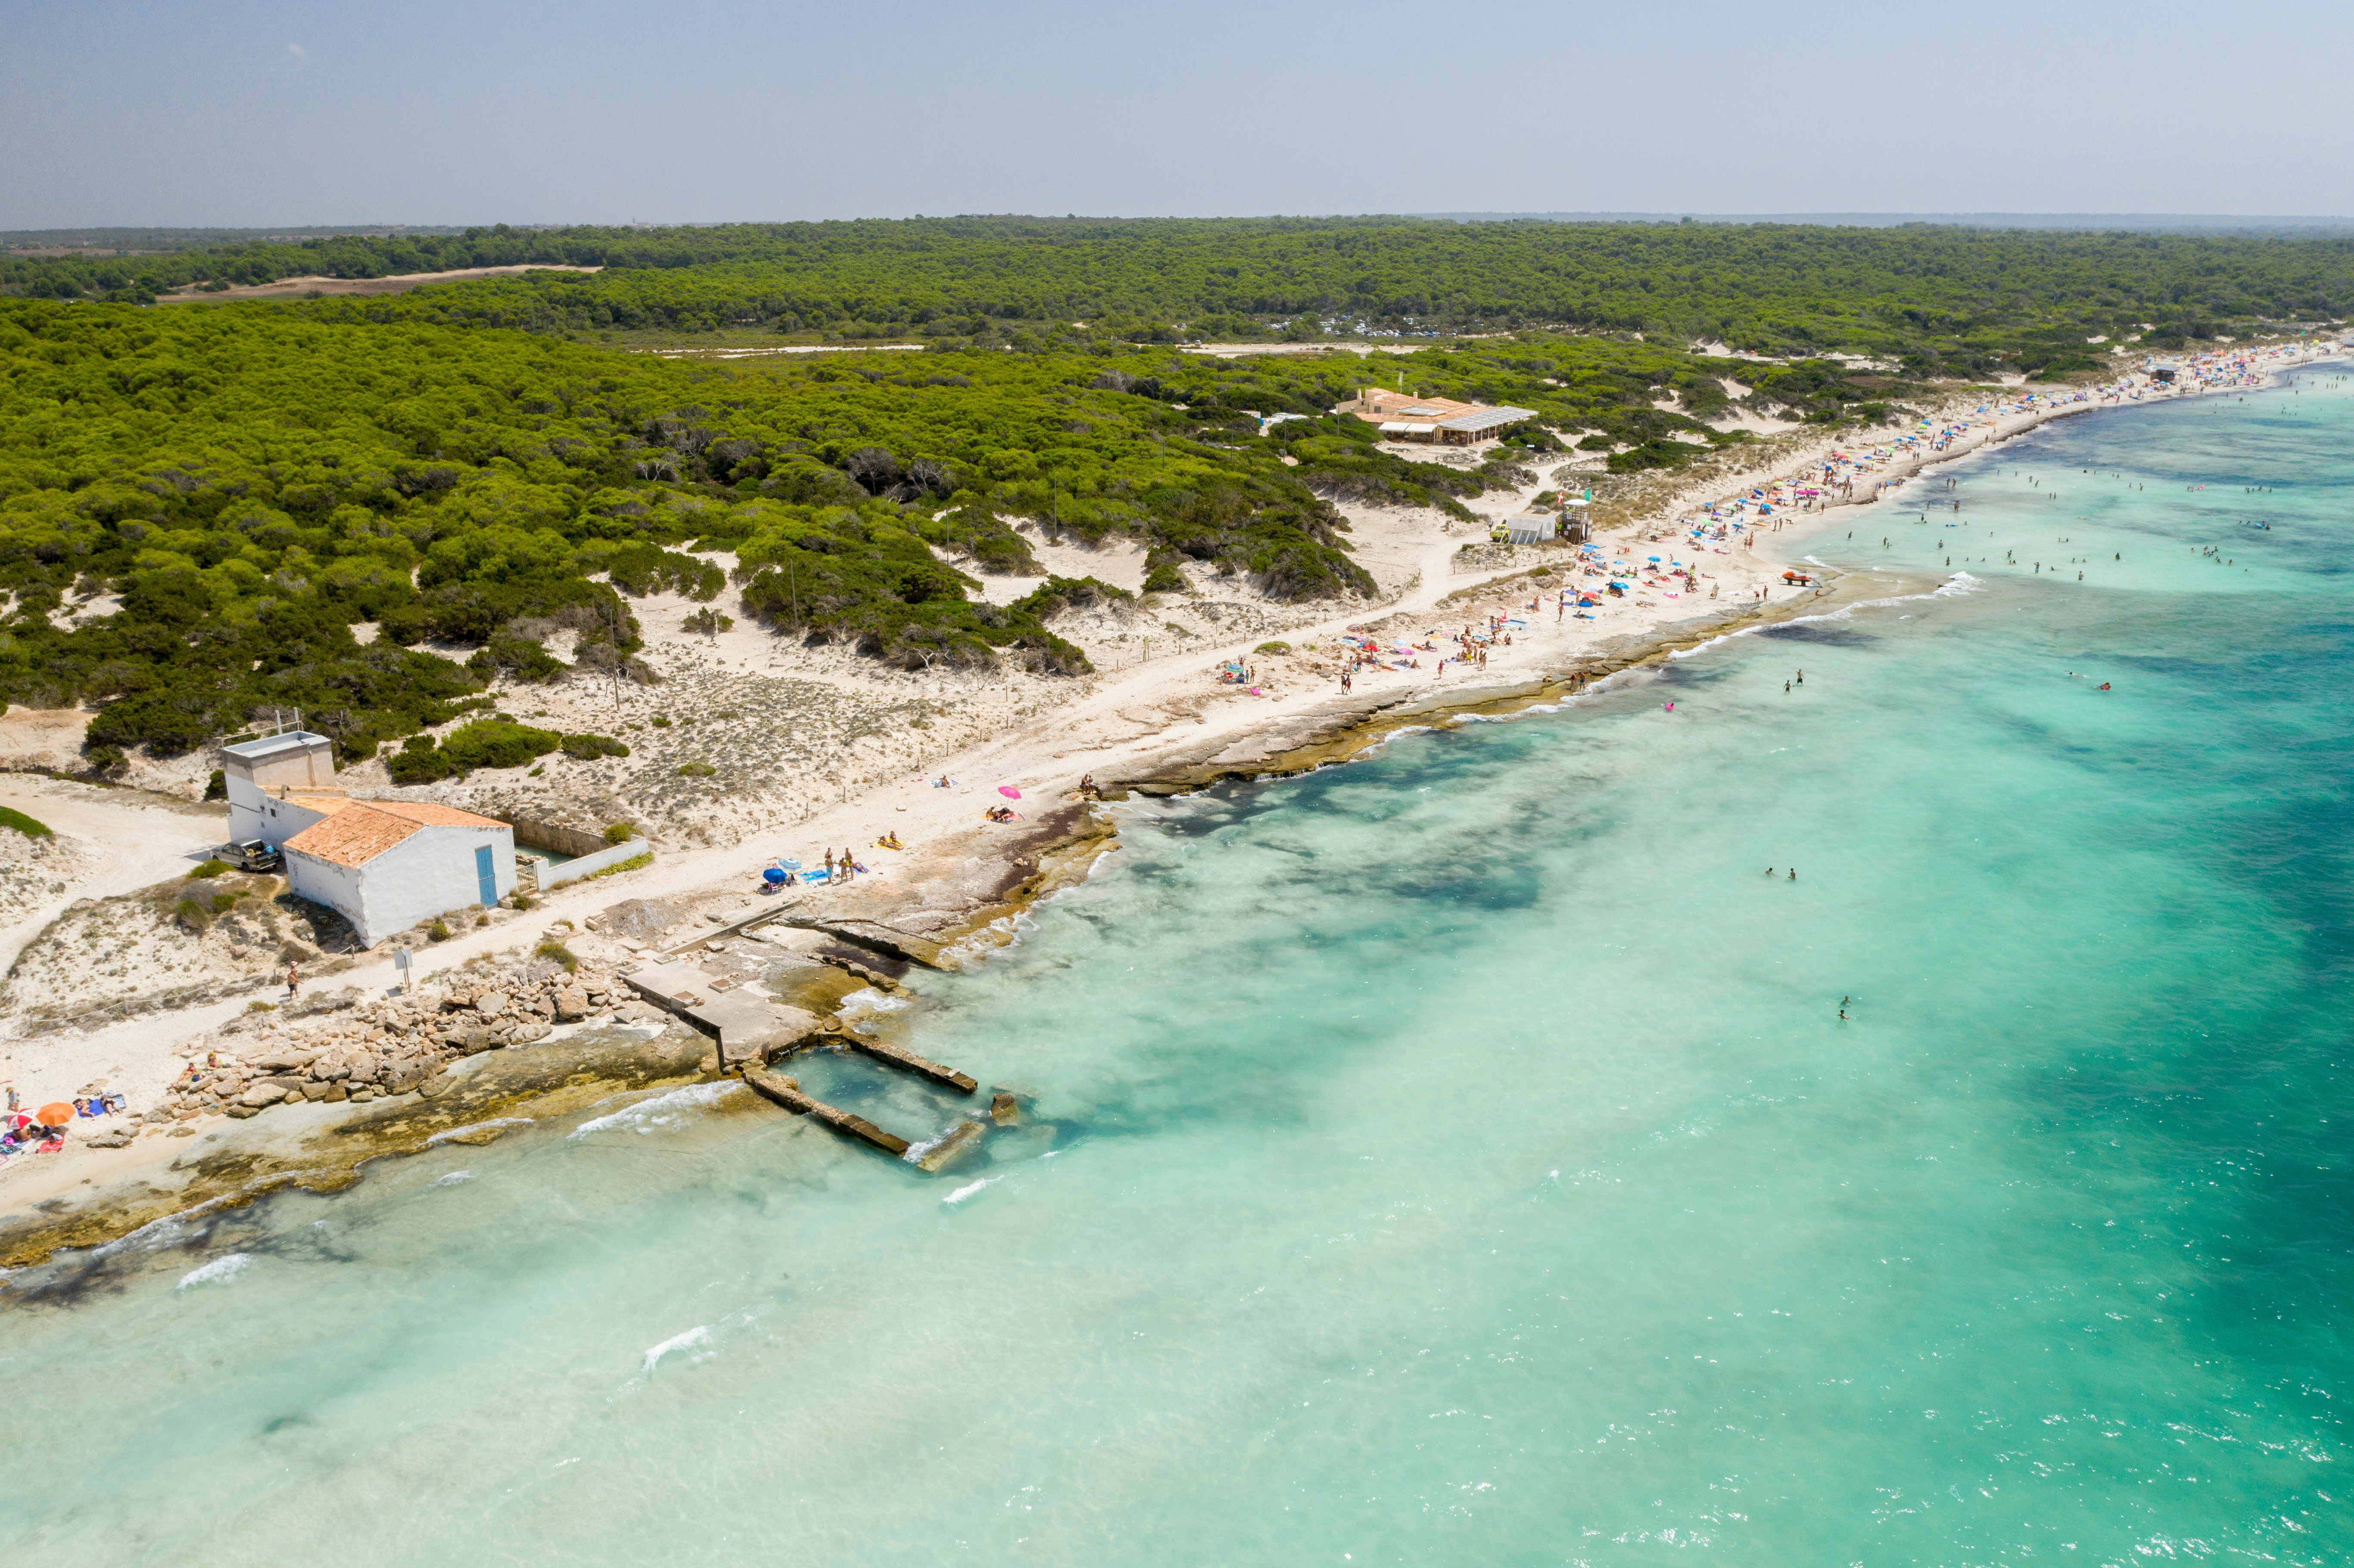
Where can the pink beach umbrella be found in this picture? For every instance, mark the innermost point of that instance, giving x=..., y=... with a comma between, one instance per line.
x=1009, y=791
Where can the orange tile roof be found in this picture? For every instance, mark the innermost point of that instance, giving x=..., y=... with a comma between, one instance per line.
x=352, y=836
x=433, y=815
x=359, y=831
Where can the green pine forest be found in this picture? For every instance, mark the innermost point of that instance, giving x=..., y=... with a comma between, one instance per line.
x=470, y=468
x=1943, y=301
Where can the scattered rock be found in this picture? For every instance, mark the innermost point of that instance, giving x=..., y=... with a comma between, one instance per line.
x=962, y=1141
x=1002, y=1110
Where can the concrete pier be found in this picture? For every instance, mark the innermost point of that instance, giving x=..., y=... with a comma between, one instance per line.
x=893, y=1057
x=786, y=1092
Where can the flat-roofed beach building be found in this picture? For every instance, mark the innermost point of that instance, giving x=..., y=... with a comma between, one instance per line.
x=279, y=785
x=1442, y=421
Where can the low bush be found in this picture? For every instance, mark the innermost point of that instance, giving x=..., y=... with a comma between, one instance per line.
x=484, y=743
x=620, y=833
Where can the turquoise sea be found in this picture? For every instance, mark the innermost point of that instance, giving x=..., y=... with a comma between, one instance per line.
x=1457, y=1156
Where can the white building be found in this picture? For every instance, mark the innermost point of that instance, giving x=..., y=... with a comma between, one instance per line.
x=384, y=866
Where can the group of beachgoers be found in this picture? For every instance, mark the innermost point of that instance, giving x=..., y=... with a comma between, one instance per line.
x=781, y=873
x=43, y=1131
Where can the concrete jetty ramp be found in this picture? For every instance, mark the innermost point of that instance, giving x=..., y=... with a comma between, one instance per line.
x=786, y=1092
x=748, y=1027
x=907, y=1061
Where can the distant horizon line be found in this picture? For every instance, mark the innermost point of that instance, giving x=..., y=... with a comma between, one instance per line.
x=2031, y=220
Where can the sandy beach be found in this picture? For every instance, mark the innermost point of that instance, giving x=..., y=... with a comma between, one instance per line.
x=1150, y=719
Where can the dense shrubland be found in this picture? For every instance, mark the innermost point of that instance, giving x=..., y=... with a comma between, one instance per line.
x=374, y=510
x=372, y=523
x=1942, y=300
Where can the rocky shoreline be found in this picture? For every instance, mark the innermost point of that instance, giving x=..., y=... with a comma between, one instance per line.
x=308, y=1095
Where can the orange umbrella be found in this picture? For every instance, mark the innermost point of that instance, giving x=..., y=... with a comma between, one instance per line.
x=54, y=1114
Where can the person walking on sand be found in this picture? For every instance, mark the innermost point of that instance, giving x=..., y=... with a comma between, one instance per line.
x=829, y=866
x=293, y=983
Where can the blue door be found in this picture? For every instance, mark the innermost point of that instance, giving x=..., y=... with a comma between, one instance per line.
x=487, y=875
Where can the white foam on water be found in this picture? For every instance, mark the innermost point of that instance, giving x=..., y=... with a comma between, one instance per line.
x=868, y=1000
x=221, y=1269
x=454, y=1177
x=693, y=1339
x=663, y=1110
x=968, y=1190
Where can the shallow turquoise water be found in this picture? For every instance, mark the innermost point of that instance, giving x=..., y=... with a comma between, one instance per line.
x=1457, y=1155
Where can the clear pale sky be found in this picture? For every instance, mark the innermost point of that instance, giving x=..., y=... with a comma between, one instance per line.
x=246, y=112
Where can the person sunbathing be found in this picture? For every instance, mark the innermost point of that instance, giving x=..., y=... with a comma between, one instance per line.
x=889, y=840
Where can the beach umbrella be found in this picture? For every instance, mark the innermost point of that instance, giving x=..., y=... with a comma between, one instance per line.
x=54, y=1114
x=1009, y=791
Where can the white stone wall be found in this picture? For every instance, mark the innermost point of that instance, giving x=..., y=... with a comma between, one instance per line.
x=324, y=882
x=590, y=865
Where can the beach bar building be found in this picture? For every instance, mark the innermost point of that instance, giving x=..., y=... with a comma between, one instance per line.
x=1442, y=421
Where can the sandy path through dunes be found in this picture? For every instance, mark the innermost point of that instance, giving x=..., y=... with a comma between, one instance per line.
x=132, y=841
x=398, y=284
